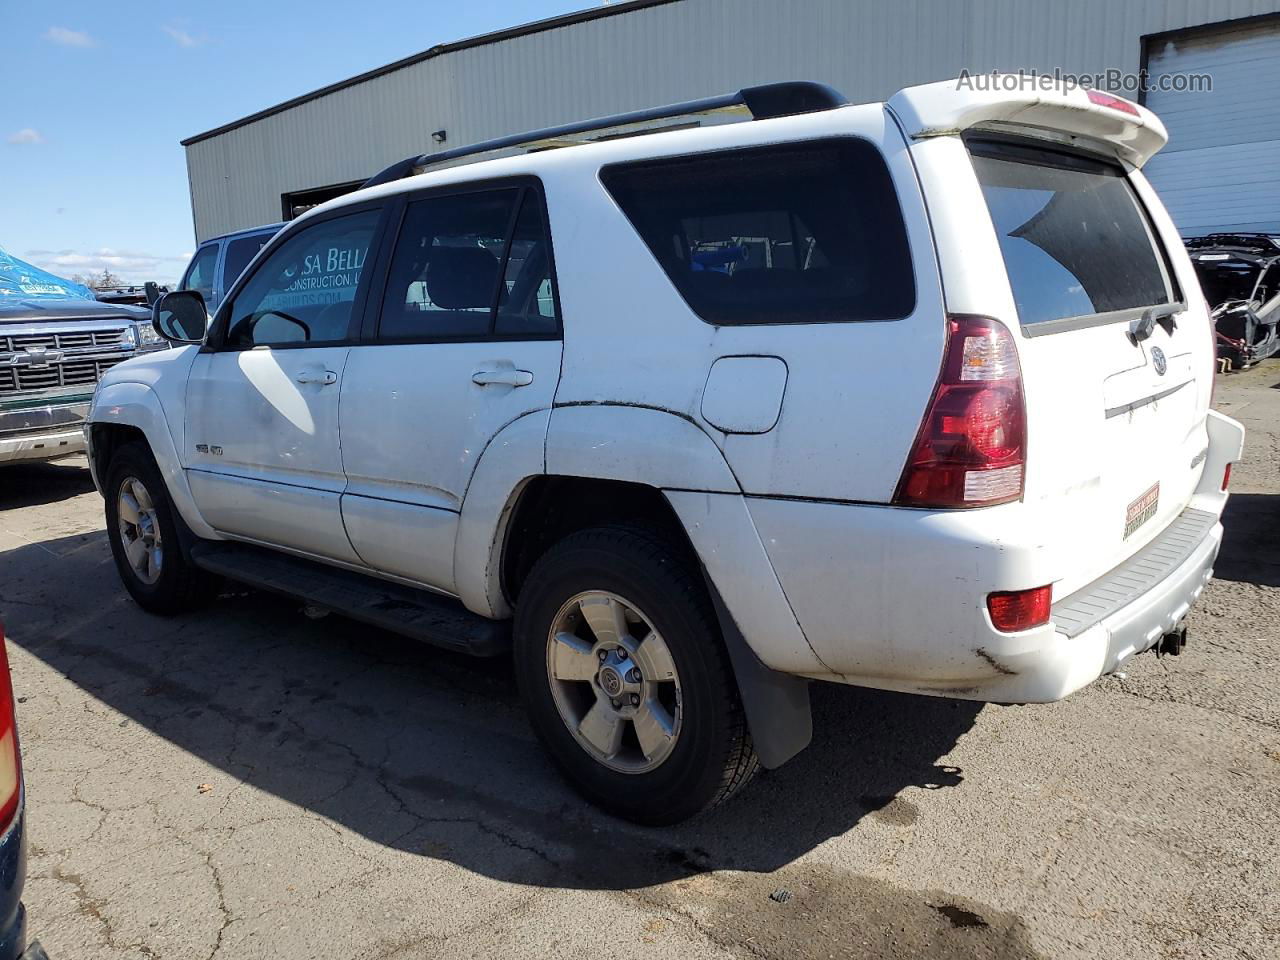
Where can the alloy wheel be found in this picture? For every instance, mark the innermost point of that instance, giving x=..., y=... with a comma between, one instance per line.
x=614, y=682
x=139, y=530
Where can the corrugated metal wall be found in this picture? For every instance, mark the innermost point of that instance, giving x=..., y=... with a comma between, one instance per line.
x=868, y=49
x=1221, y=170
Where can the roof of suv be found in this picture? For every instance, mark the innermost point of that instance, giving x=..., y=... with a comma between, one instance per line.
x=587, y=157
x=776, y=112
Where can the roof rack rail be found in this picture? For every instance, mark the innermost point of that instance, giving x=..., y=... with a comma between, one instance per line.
x=763, y=102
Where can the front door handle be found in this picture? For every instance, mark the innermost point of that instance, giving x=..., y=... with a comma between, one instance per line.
x=322, y=377
x=509, y=378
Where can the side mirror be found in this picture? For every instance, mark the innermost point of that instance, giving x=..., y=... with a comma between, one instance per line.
x=152, y=290
x=180, y=316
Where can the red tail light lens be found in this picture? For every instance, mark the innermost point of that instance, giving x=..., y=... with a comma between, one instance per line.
x=1226, y=477
x=1115, y=103
x=10, y=764
x=1020, y=609
x=970, y=449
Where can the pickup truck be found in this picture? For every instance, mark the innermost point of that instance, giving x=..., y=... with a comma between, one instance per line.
x=56, y=342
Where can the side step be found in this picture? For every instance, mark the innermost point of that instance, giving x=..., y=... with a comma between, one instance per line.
x=429, y=617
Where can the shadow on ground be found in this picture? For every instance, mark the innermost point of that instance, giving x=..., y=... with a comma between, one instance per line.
x=429, y=752
x=1251, y=541
x=29, y=484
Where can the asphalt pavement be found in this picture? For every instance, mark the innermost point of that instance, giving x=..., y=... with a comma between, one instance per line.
x=247, y=782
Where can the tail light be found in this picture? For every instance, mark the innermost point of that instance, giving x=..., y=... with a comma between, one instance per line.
x=1020, y=609
x=970, y=451
x=10, y=763
x=1226, y=477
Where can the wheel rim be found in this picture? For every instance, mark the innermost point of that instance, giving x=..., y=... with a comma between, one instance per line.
x=139, y=530
x=614, y=682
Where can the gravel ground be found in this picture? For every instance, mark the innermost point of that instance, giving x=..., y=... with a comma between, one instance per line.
x=248, y=783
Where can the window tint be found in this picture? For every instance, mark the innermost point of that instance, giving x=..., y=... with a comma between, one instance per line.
x=305, y=290
x=200, y=274
x=800, y=233
x=1074, y=239
x=239, y=252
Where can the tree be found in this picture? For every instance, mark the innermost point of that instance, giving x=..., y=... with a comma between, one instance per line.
x=97, y=280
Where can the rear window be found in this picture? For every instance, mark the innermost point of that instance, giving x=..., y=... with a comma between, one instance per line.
x=239, y=252
x=1075, y=239
x=797, y=233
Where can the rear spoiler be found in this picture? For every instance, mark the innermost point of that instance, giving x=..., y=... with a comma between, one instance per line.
x=951, y=107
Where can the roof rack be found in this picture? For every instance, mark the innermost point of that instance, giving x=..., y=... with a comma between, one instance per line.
x=763, y=102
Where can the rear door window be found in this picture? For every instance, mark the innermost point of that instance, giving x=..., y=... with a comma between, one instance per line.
x=470, y=266
x=794, y=233
x=1075, y=239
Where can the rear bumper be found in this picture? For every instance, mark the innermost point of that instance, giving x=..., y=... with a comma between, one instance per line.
x=42, y=432
x=896, y=599
x=907, y=611
x=1132, y=607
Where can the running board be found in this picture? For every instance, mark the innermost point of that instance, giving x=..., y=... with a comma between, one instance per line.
x=420, y=614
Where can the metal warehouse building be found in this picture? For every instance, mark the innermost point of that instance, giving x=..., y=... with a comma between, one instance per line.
x=1221, y=170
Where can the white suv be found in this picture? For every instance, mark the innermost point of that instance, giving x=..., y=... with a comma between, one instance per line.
x=910, y=395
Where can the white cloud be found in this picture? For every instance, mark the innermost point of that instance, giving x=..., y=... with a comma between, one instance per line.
x=26, y=135
x=69, y=38
x=181, y=37
x=131, y=266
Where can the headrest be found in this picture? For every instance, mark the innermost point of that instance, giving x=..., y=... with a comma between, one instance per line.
x=461, y=278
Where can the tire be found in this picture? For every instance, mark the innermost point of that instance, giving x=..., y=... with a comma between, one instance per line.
x=696, y=750
x=171, y=584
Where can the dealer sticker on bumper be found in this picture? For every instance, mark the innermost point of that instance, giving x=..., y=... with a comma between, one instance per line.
x=1141, y=510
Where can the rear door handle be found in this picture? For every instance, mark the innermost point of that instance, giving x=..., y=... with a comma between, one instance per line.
x=322, y=377
x=509, y=378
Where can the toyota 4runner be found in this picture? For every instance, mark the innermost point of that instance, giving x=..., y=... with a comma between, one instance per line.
x=913, y=396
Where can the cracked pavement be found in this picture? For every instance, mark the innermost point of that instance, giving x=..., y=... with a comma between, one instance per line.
x=248, y=782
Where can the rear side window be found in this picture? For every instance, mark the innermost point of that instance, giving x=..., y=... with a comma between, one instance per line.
x=798, y=233
x=1075, y=239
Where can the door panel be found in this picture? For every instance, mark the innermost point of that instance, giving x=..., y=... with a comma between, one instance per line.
x=414, y=424
x=262, y=402
x=469, y=315
x=263, y=449
x=404, y=539
x=296, y=517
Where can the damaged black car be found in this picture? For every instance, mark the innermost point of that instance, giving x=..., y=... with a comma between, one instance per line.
x=1240, y=276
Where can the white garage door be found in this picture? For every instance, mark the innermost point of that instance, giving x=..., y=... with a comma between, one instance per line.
x=1221, y=169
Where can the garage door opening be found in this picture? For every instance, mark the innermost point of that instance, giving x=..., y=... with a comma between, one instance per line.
x=297, y=203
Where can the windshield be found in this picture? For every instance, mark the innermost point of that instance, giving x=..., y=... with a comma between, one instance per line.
x=1075, y=240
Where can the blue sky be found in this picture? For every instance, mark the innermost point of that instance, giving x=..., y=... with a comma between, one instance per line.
x=95, y=96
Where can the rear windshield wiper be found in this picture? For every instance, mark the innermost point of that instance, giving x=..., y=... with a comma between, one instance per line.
x=1164, y=314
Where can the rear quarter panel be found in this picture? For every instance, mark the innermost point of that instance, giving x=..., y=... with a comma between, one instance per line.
x=855, y=392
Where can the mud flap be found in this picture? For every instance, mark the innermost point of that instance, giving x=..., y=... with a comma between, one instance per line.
x=776, y=704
